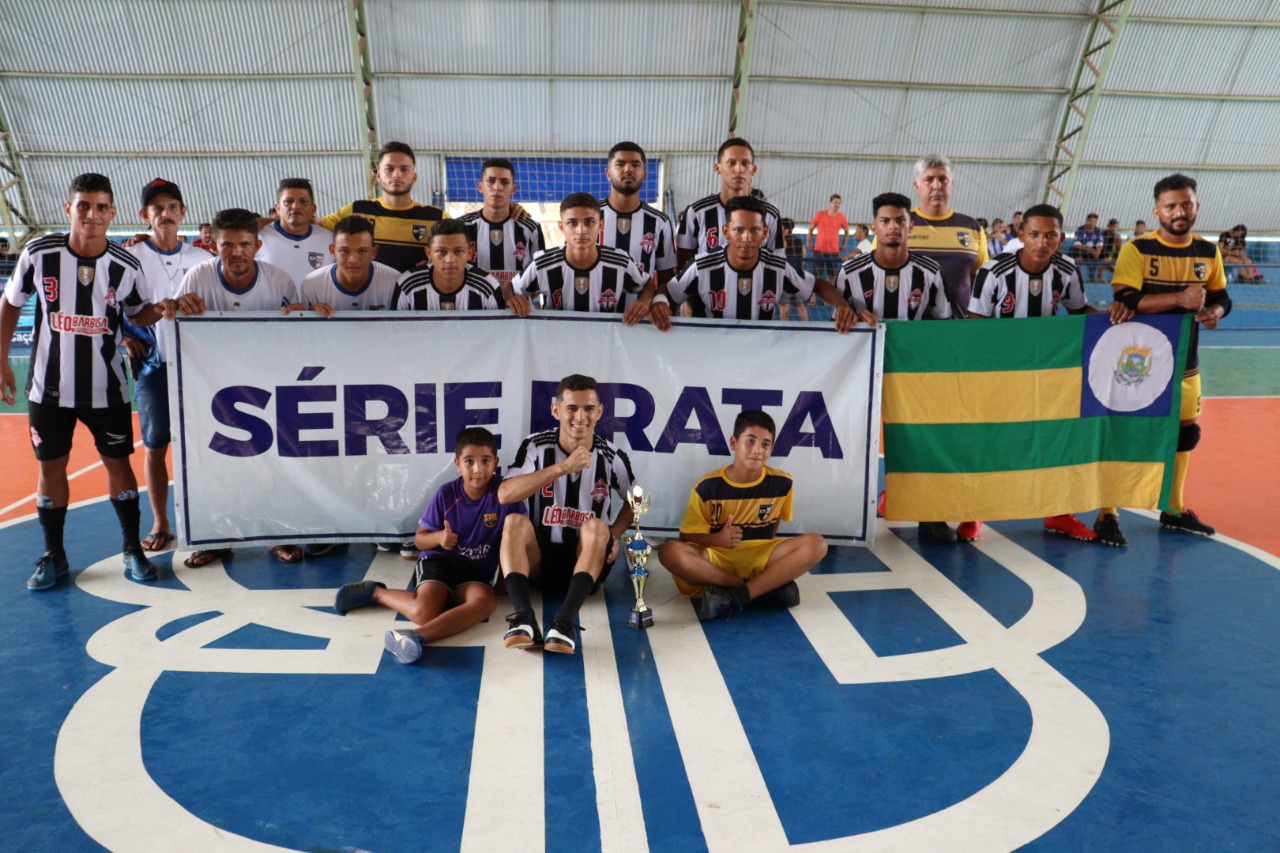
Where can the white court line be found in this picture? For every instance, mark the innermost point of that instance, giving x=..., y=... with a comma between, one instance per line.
x=70, y=477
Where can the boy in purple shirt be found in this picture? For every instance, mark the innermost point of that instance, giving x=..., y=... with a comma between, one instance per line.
x=458, y=535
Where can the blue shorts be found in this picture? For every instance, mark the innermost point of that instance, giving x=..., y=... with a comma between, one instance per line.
x=151, y=395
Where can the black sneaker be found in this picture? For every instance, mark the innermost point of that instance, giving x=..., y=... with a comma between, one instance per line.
x=1109, y=533
x=787, y=595
x=560, y=635
x=937, y=531
x=1186, y=522
x=523, y=632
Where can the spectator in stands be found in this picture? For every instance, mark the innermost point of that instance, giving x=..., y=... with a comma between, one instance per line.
x=1231, y=244
x=955, y=241
x=1139, y=228
x=861, y=241
x=6, y=256
x=1112, y=240
x=1015, y=227
x=1014, y=243
x=996, y=242
x=828, y=233
x=205, y=240
x=794, y=245
x=1087, y=247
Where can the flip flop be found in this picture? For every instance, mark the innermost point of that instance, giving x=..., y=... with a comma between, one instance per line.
x=156, y=540
x=205, y=557
x=286, y=553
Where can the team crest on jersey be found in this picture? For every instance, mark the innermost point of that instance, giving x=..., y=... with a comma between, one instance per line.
x=419, y=232
x=647, y=242
x=914, y=300
x=491, y=519
x=600, y=491
x=1035, y=285
x=744, y=286
x=495, y=237
x=764, y=510
x=768, y=301
x=608, y=300
x=891, y=283
x=624, y=225
x=84, y=275
x=1134, y=365
x=581, y=284
x=316, y=259
x=1201, y=269
x=448, y=305
x=964, y=238
x=520, y=253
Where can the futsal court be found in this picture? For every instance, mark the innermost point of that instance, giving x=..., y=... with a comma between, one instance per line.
x=1020, y=692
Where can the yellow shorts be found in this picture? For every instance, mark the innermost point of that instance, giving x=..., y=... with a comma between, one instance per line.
x=1190, y=398
x=746, y=561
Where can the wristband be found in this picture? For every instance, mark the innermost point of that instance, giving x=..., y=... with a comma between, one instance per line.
x=660, y=299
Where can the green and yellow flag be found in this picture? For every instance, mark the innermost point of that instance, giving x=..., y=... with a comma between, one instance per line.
x=997, y=419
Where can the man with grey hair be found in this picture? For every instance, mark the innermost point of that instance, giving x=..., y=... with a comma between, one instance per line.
x=956, y=241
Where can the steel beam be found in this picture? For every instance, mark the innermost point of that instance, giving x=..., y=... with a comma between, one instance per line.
x=1105, y=27
x=742, y=67
x=16, y=212
x=364, y=79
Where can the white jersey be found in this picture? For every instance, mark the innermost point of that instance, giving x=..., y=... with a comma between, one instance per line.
x=573, y=499
x=298, y=256
x=417, y=291
x=600, y=288
x=645, y=234
x=378, y=293
x=82, y=302
x=163, y=273
x=913, y=291
x=503, y=249
x=1004, y=289
x=270, y=290
x=702, y=227
x=715, y=288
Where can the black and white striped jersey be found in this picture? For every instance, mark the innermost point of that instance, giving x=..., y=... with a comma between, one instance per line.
x=702, y=227
x=75, y=360
x=644, y=234
x=560, y=509
x=716, y=289
x=1004, y=289
x=602, y=287
x=505, y=249
x=910, y=292
x=378, y=293
x=417, y=291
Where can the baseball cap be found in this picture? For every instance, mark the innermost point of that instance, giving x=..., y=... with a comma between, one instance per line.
x=160, y=186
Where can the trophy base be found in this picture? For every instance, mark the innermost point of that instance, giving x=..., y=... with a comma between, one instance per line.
x=640, y=620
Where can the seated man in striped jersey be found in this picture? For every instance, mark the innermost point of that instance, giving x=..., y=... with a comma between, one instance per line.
x=569, y=475
x=1032, y=282
x=355, y=282
x=739, y=281
x=450, y=283
x=582, y=275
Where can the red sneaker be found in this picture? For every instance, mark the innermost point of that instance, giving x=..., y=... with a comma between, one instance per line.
x=1069, y=525
x=968, y=531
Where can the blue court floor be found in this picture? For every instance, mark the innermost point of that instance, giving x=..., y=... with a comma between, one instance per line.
x=1022, y=692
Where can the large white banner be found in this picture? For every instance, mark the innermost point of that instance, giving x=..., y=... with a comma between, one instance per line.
x=300, y=429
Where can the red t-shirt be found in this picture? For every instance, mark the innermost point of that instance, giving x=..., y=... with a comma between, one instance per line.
x=829, y=227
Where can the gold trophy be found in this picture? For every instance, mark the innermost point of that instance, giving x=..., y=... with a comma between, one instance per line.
x=638, y=551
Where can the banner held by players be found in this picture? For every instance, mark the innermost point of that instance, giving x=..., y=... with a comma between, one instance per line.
x=295, y=429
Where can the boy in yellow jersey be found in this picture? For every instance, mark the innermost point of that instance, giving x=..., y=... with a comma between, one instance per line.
x=729, y=552
x=1173, y=271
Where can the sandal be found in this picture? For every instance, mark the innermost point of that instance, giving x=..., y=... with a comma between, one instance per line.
x=205, y=557
x=156, y=540
x=286, y=553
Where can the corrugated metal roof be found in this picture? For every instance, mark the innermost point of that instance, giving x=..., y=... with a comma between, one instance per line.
x=1241, y=10
x=191, y=37
x=565, y=37
x=182, y=115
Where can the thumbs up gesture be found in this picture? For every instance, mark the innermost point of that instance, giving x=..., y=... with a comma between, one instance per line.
x=730, y=535
x=450, y=538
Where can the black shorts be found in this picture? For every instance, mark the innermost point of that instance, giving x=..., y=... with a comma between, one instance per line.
x=450, y=571
x=53, y=426
x=557, y=562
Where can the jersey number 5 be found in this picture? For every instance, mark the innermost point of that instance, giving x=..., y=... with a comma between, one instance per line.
x=1155, y=268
